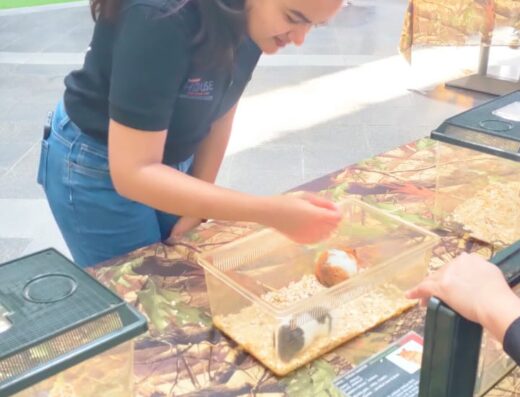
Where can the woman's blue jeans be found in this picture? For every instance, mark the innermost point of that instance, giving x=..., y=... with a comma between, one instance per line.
x=96, y=222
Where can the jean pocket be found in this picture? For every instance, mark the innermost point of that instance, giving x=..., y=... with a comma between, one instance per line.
x=42, y=168
x=91, y=161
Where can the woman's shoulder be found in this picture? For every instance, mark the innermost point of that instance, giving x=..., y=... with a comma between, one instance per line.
x=165, y=6
x=181, y=11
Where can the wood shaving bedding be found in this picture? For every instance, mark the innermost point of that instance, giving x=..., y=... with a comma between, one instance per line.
x=306, y=287
x=254, y=330
x=493, y=214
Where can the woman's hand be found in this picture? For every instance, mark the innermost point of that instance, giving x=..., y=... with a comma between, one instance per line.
x=474, y=288
x=184, y=225
x=303, y=217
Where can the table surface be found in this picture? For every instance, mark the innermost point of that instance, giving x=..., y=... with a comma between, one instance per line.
x=183, y=355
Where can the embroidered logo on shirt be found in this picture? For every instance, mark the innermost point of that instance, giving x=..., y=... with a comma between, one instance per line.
x=198, y=88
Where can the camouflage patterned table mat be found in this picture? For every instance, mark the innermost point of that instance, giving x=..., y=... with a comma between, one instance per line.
x=183, y=355
x=460, y=22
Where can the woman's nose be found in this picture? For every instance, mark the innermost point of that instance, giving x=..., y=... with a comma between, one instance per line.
x=298, y=34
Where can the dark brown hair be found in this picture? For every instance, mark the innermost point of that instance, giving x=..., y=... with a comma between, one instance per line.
x=222, y=26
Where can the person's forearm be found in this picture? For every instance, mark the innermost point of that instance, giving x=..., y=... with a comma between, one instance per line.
x=209, y=156
x=138, y=175
x=211, y=150
x=500, y=314
x=166, y=189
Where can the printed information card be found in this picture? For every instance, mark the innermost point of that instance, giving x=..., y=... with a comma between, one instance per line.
x=391, y=373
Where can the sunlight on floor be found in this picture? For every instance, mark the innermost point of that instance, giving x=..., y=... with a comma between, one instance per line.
x=270, y=115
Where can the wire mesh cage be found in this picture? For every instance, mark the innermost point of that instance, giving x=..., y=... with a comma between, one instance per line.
x=54, y=315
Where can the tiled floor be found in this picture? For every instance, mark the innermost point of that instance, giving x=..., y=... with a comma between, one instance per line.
x=342, y=97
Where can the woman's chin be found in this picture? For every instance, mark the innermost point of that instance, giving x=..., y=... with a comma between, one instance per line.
x=267, y=46
x=270, y=49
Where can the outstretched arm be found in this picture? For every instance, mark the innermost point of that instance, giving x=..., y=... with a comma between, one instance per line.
x=137, y=172
x=207, y=162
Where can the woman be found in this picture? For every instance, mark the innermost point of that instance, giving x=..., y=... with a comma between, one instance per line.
x=477, y=290
x=141, y=131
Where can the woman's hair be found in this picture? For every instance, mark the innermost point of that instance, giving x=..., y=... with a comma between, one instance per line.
x=222, y=26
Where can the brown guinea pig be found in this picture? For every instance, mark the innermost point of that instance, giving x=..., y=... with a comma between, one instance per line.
x=336, y=265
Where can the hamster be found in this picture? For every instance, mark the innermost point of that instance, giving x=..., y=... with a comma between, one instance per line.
x=300, y=331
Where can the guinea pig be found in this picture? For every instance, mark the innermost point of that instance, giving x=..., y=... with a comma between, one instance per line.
x=300, y=331
x=336, y=265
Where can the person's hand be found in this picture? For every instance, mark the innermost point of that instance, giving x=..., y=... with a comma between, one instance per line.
x=304, y=217
x=465, y=284
x=476, y=289
x=183, y=225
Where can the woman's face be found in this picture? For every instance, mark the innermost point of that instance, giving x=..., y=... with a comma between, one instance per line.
x=272, y=24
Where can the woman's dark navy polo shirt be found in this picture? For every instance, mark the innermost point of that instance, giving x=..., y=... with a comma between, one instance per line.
x=139, y=72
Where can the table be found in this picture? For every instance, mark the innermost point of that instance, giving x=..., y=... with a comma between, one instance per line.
x=182, y=355
x=486, y=23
